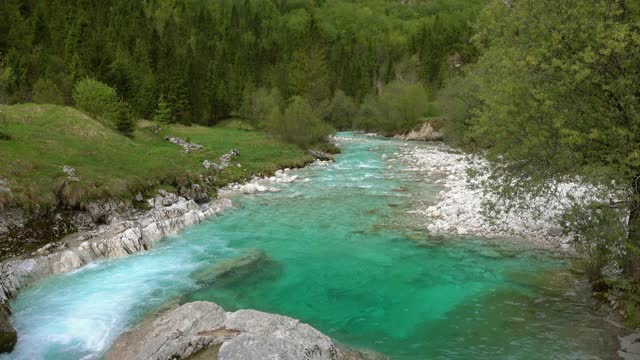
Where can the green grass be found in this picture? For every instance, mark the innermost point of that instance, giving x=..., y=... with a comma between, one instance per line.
x=44, y=138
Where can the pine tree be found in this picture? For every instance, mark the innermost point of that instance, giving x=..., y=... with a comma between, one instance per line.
x=124, y=120
x=164, y=114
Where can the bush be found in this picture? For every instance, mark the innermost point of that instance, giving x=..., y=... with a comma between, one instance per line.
x=299, y=124
x=257, y=105
x=342, y=111
x=399, y=109
x=97, y=99
x=458, y=101
x=125, y=122
x=45, y=91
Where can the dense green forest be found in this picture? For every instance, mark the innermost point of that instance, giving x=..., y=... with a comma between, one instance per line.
x=204, y=61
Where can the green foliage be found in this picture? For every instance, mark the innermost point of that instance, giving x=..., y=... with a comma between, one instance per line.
x=257, y=105
x=599, y=232
x=96, y=98
x=565, y=107
x=457, y=101
x=125, y=121
x=45, y=91
x=299, y=124
x=342, y=111
x=164, y=113
x=206, y=56
x=400, y=108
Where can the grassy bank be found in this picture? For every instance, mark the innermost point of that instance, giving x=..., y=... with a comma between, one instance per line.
x=44, y=138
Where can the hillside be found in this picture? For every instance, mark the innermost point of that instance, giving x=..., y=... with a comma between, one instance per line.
x=44, y=138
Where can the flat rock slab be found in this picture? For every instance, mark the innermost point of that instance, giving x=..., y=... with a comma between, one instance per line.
x=203, y=329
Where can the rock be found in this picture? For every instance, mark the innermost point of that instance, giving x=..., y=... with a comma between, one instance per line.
x=629, y=346
x=177, y=334
x=169, y=214
x=195, y=192
x=241, y=335
x=248, y=189
x=554, y=231
x=164, y=198
x=71, y=173
x=186, y=146
x=8, y=335
x=425, y=133
x=102, y=210
x=4, y=186
x=235, y=267
x=320, y=155
x=223, y=160
x=230, y=155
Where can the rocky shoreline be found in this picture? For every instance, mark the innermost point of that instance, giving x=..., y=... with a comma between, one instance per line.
x=459, y=206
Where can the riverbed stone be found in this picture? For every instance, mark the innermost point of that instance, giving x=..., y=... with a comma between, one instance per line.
x=240, y=266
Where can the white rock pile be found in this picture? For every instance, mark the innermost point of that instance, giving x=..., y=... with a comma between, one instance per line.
x=459, y=206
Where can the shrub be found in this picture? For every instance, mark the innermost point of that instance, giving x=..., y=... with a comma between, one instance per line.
x=45, y=91
x=342, y=110
x=401, y=106
x=299, y=124
x=257, y=105
x=399, y=109
x=458, y=101
x=97, y=99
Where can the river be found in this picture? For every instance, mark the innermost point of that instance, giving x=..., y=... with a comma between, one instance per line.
x=343, y=255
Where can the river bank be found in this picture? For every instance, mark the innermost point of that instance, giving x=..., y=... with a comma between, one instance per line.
x=459, y=207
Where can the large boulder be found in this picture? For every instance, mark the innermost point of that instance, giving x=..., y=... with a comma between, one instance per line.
x=205, y=328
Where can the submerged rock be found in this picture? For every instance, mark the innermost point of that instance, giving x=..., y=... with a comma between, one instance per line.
x=205, y=328
x=237, y=267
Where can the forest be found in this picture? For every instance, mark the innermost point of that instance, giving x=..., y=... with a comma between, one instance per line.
x=200, y=62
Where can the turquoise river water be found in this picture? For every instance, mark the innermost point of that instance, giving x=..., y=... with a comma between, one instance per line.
x=344, y=256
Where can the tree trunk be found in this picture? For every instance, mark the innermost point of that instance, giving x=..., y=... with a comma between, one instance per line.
x=632, y=263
